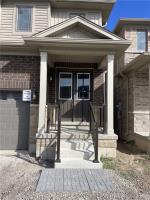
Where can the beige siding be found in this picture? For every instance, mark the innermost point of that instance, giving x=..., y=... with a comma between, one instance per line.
x=59, y=15
x=75, y=32
x=41, y=17
x=8, y=15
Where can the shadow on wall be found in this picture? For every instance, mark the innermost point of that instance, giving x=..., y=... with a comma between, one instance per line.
x=23, y=124
x=46, y=149
x=21, y=72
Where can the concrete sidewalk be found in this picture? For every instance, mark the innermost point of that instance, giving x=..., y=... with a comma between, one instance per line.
x=74, y=180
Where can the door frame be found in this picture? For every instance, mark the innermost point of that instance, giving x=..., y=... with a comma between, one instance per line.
x=89, y=86
x=71, y=86
x=74, y=72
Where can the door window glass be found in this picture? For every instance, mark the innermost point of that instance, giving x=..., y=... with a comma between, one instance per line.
x=65, y=86
x=83, y=86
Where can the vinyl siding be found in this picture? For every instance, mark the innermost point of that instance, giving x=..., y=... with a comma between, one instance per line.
x=76, y=32
x=40, y=19
x=59, y=15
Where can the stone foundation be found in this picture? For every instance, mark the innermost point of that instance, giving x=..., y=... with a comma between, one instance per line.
x=46, y=145
x=107, y=145
x=46, y=148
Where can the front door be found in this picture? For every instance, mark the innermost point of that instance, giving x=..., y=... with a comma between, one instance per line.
x=74, y=94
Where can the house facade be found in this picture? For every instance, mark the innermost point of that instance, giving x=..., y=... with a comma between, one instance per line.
x=133, y=82
x=57, y=64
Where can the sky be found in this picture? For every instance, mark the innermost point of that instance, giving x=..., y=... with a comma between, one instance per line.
x=128, y=9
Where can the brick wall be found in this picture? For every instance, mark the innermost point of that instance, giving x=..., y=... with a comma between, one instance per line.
x=97, y=79
x=98, y=93
x=19, y=72
x=138, y=103
x=141, y=102
x=129, y=32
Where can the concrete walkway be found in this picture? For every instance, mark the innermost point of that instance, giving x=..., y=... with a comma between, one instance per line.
x=74, y=180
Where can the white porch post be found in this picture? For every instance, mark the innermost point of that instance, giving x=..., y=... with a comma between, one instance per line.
x=110, y=95
x=43, y=91
x=149, y=96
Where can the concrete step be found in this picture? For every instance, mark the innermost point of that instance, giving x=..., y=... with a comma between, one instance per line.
x=77, y=149
x=75, y=123
x=78, y=164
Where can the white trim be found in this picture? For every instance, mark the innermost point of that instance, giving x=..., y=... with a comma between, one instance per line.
x=74, y=20
x=59, y=86
x=110, y=94
x=43, y=91
x=0, y=11
x=105, y=82
x=89, y=96
x=139, y=112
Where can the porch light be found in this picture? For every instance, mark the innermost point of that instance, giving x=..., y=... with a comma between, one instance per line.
x=51, y=78
x=34, y=95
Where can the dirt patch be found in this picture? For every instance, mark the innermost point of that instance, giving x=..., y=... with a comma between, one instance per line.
x=19, y=177
x=131, y=164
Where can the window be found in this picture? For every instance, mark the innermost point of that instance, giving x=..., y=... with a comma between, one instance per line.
x=141, y=40
x=24, y=18
x=83, y=86
x=65, y=85
x=77, y=14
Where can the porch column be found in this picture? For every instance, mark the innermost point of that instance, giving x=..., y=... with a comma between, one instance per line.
x=110, y=95
x=43, y=90
x=149, y=95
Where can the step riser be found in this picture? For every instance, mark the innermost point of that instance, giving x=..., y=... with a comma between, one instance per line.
x=76, y=145
x=77, y=149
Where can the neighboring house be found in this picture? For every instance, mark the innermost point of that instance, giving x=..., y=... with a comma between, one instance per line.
x=62, y=53
x=133, y=82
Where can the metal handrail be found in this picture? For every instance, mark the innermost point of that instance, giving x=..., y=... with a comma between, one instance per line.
x=95, y=131
x=58, y=133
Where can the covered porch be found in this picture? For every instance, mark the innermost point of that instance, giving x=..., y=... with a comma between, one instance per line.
x=78, y=106
x=76, y=87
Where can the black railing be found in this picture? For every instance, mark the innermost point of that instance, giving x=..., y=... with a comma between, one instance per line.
x=58, y=133
x=54, y=124
x=94, y=131
x=52, y=118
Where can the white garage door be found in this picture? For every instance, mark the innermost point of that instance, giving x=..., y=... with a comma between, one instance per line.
x=14, y=121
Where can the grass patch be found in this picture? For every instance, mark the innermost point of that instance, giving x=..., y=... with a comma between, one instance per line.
x=108, y=163
x=127, y=174
x=131, y=142
x=146, y=157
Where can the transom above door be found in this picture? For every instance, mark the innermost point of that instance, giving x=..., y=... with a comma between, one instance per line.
x=75, y=93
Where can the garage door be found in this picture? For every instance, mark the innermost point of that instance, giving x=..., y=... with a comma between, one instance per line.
x=14, y=121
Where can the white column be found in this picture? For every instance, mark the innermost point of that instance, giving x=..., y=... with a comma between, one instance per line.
x=43, y=91
x=149, y=97
x=110, y=95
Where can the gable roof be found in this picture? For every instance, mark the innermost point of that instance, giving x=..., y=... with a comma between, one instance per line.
x=77, y=20
x=130, y=21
